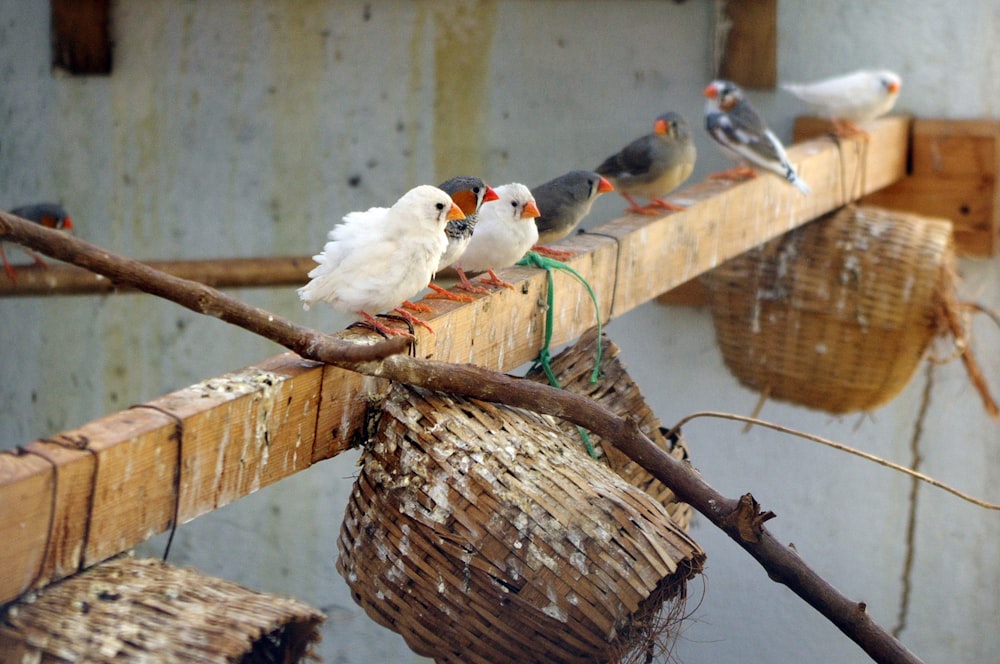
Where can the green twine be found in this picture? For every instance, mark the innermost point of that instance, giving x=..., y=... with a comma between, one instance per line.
x=544, y=360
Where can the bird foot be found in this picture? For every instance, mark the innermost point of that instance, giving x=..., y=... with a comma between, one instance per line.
x=639, y=209
x=370, y=323
x=737, y=173
x=557, y=254
x=445, y=294
x=470, y=287
x=413, y=306
x=411, y=319
x=494, y=280
x=660, y=204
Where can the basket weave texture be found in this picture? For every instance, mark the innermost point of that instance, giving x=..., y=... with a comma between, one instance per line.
x=128, y=610
x=836, y=314
x=484, y=533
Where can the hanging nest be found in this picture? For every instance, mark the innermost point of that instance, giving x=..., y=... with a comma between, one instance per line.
x=616, y=391
x=128, y=610
x=484, y=533
x=837, y=314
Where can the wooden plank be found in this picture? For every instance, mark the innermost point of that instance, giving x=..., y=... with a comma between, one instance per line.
x=247, y=429
x=266, y=272
x=952, y=174
x=81, y=36
x=750, y=52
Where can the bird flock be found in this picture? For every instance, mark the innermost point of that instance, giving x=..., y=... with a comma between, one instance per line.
x=376, y=260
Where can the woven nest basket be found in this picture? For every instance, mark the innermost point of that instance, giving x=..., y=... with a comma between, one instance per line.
x=484, y=533
x=128, y=610
x=836, y=314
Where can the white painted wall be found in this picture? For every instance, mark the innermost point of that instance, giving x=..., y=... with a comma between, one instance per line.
x=233, y=128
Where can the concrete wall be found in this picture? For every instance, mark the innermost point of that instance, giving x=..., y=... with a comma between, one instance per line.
x=235, y=128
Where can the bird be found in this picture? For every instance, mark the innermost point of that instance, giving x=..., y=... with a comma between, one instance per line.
x=469, y=193
x=653, y=165
x=504, y=233
x=562, y=203
x=377, y=258
x=736, y=127
x=858, y=96
x=49, y=215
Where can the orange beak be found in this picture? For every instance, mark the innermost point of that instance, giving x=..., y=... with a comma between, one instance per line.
x=711, y=91
x=530, y=211
x=894, y=87
x=68, y=223
x=455, y=213
x=490, y=195
x=660, y=127
x=604, y=186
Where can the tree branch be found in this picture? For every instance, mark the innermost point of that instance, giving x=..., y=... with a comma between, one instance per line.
x=741, y=519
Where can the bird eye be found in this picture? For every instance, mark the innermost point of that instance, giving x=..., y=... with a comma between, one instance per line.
x=475, y=190
x=513, y=203
x=440, y=206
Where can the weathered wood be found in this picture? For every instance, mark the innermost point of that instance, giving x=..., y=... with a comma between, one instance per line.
x=749, y=54
x=34, y=280
x=248, y=429
x=953, y=174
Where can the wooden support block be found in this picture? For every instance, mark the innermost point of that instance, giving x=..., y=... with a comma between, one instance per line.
x=250, y=428
x=81, y=36
x=952, y=174
x=749, y=55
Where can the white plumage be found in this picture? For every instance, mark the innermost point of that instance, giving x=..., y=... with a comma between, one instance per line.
x=505, y=231
x=856, y=97
x=377, y=258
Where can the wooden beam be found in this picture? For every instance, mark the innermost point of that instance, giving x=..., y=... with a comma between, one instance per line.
x=748, y=32
x=33, y=280
x=110, y=484
x=81, y=36
x=952, y=174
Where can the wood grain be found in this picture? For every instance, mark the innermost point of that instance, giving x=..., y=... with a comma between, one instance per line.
x=118, y=476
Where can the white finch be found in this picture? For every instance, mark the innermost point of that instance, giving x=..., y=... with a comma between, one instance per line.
x=653, y=165
x=49, y=215
x=504, y=233
x=735, y=126
x=378, y=258
x=562, y=203
x=856, y=97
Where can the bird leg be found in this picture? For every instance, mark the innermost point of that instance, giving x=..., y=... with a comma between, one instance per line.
x=657, y=202
x=372, y=324
x=735, y=173
x=634, y=207
x=413, y=306
x=445, y=294
x=847, y=129
x=8, y=268
x=411, y=319
x=467, y=285
x=494, y=280
x=557, y=254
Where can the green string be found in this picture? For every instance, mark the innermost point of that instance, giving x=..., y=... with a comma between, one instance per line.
x=544, y=360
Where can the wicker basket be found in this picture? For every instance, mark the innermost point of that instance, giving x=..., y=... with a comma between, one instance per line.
x=483, y=533
x=837, y=314
x=128, y=610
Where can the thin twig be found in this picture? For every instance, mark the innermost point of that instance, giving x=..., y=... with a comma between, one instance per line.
x=838, y=446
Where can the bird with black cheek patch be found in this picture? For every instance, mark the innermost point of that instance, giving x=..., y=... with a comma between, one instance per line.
x=653, y=165
x=378, y=258
x=742, y=134
x=49, y=215
x=504, y=233
x=562, y=203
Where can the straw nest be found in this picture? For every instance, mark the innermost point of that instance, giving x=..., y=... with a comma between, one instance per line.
x=484, y=533
x=837, y=314
x=128, y=610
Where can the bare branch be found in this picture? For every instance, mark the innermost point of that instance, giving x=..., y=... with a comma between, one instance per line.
x=741, y=519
